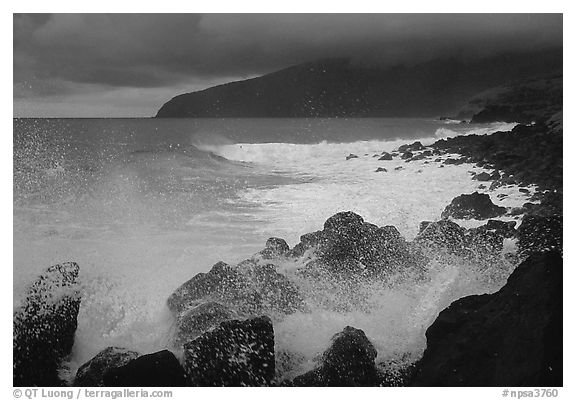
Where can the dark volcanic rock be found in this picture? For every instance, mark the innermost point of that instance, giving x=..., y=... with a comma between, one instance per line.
x=480, y=244
x=350, y=156
x=237, y=353
x=385, y=157
x=538, y=234
x=275, y=247
x=531, y=154
x=92, y=373
x=482, y=177
x=445, y=234
x=349, y=361
x=153, y=370
x=347, y=240
x=249, y=288
x=424, y=225
x=505, y=228
x=307, y=241
x=45, y=325
x=222, y=282
x=206, y=316
x=510, y=338
x=473, y=206
x=416, y=146
x=406, y=154
x=380, y=169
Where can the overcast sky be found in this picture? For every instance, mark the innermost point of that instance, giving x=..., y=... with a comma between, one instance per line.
x=95, y=65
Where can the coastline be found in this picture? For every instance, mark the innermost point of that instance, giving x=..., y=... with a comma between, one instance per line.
x=333, y=243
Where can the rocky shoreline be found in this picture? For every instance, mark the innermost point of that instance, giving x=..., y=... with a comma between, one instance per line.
x=225, y=318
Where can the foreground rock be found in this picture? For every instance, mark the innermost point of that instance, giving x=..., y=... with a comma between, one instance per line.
x=152, y=370
x=510, y=338
x=45, y=325
x=91, y=374
x=349, y=361
x=473, y=206
x=237, y=353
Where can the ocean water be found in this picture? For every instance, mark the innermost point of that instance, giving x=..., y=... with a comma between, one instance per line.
x=144, y=204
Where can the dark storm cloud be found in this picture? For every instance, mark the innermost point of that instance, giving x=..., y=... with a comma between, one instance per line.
x=147, y=50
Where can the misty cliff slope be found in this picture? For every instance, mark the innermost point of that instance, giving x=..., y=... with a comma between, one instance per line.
x=535, y=99
x=342, y=88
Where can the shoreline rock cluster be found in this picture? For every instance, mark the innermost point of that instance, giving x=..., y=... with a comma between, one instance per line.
x=225, y=317
x=228, y=335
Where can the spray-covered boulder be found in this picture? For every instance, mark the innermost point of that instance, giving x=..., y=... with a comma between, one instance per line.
x=237, y=353
x=442, y=234
x=91, y=373
x=153, y=370
x=349, y=361
x=275, y=247
x=473, y=206
x=247, y=289
x=348, y=244
x=197, y=320
x=45, y=325
x=510, y=338
x=223, y=283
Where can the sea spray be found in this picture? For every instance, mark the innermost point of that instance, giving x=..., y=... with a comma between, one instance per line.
x=142, y=212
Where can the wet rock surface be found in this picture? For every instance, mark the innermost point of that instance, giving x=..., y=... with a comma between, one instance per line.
x=473, y=206
x=45, y=325
x=91, y=374
x=150, y=370
x=510, y=338
x=349, y=361
x=237, y=353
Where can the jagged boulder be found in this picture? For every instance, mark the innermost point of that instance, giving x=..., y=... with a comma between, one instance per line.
x=307, y=241
x=351, y=156
x=275, y=247
x=347, y=241
x=385, y=157
x=249, y=288
x=237, y=353
x=416, y=146
x=195, y=321
x=480, y=245
x=349, y=361
x=510, y=338
x=45, y=325
x=150, y=370
x=443, y=234
x=483, y=177
x=423, y=225
x=473, y=206
x=222, y=283
x=91, y=373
